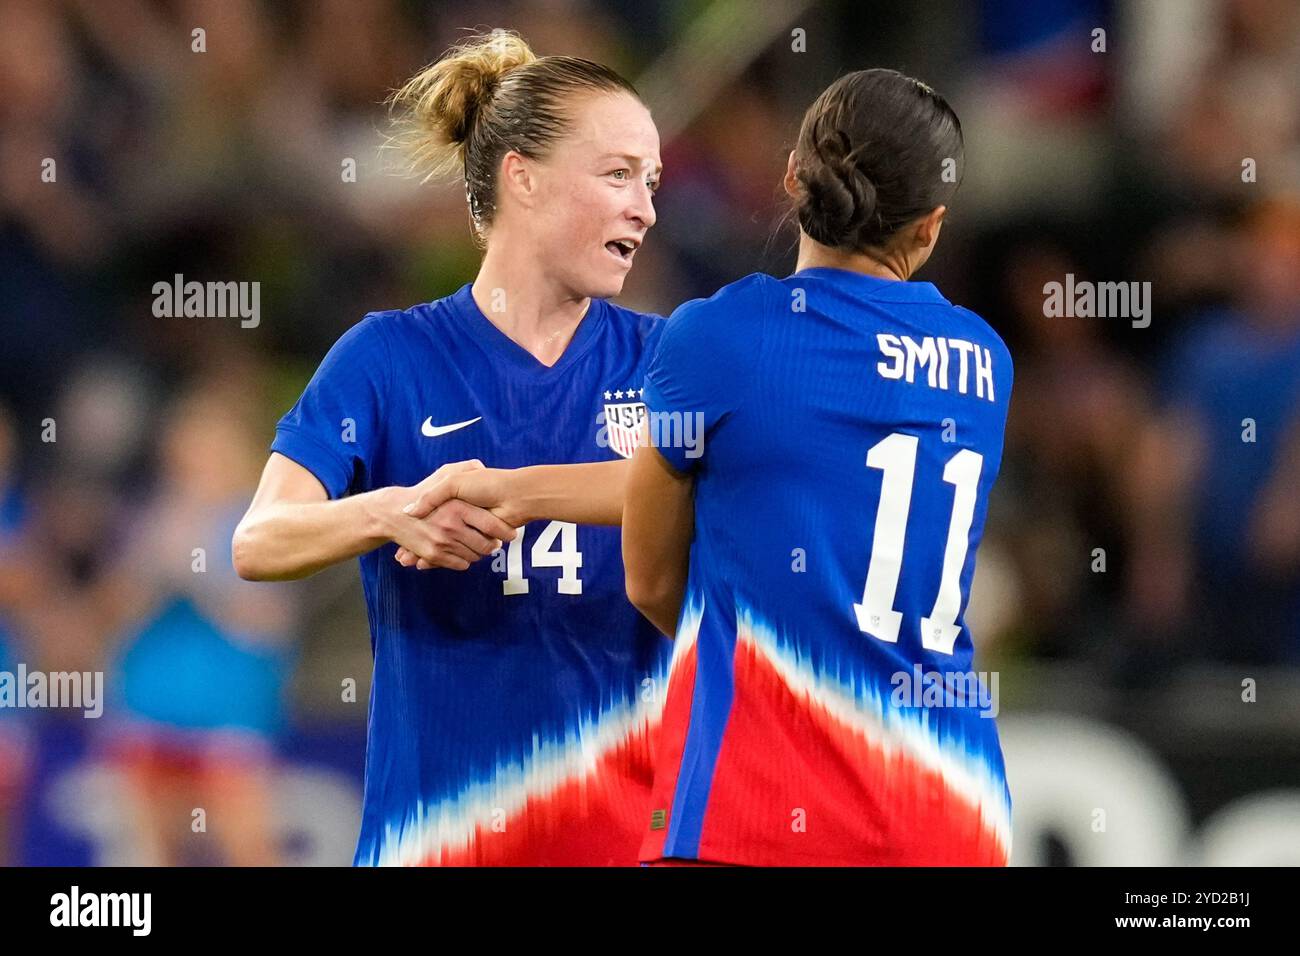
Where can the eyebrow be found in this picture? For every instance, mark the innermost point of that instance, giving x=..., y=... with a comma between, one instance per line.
x=632, y=160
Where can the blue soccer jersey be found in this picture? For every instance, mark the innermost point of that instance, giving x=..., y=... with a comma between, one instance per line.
x=512, y=704
x=822, y=707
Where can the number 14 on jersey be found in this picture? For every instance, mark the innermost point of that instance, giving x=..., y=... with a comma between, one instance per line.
x=543, y=555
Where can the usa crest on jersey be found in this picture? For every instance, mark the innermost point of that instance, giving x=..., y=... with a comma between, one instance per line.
x=625, y=426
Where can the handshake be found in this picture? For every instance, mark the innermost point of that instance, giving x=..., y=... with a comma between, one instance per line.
x=460, y=513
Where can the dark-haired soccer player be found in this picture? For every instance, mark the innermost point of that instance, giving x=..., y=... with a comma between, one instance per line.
x=853, y=429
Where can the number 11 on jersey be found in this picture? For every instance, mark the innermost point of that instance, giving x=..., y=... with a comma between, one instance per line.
x=895, y=456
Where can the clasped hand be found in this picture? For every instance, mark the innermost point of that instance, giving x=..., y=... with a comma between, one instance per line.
x=459, y=514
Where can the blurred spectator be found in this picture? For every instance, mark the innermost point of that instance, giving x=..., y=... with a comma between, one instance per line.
x=1241, y=101
x=196, y=689
x=1218, y=471
x=14, y=749
x=1069, y=433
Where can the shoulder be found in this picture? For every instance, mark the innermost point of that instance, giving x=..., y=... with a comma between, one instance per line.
x=742, y=293
x=376, y=344
x=636, y=329
x=393, y=323
x=376, y=329
x=984, y=332
x=739, y=305
x=362, y=345
x=393, y=332
x=718, y=339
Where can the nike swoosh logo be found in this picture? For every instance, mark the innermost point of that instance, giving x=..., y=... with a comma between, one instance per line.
x=430, y=430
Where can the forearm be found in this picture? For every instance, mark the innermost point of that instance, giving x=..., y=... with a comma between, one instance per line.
x=658, y=524
x=283, y=541
x=589, y=493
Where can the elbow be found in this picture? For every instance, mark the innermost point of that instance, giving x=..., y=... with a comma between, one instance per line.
x=650, y=596
x=637, y=595
x=640, y=590
x=244, y=556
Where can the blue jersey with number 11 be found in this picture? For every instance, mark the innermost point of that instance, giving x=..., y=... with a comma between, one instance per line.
x=822, y=704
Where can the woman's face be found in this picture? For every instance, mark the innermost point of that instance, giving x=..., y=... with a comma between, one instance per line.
x=594, y=198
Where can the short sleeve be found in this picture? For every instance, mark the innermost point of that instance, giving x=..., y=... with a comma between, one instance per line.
x=333, y=429
x=701, y=368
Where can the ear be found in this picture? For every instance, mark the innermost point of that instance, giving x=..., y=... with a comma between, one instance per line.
x=927, y=227
x=791, y=181
x=517, y=178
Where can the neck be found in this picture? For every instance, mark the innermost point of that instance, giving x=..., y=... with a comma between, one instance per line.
x=515, y=296
x=884, y=264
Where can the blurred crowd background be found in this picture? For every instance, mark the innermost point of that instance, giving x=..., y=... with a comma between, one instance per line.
x=1142, y=556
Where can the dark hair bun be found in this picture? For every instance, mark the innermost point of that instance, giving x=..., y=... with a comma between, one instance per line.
x=871, y=157
x=838, y=199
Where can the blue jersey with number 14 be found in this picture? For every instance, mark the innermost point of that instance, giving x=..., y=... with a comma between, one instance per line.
x=513, y=704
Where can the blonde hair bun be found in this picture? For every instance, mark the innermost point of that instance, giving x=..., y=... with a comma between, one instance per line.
x=437, y=106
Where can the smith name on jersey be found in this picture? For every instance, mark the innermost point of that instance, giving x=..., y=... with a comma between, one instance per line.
x=853, y=431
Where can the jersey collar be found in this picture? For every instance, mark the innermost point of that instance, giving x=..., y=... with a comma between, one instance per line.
x=874, y=287
x=511, y=353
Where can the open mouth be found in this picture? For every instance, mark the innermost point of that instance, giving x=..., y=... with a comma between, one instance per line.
x=623, y=249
